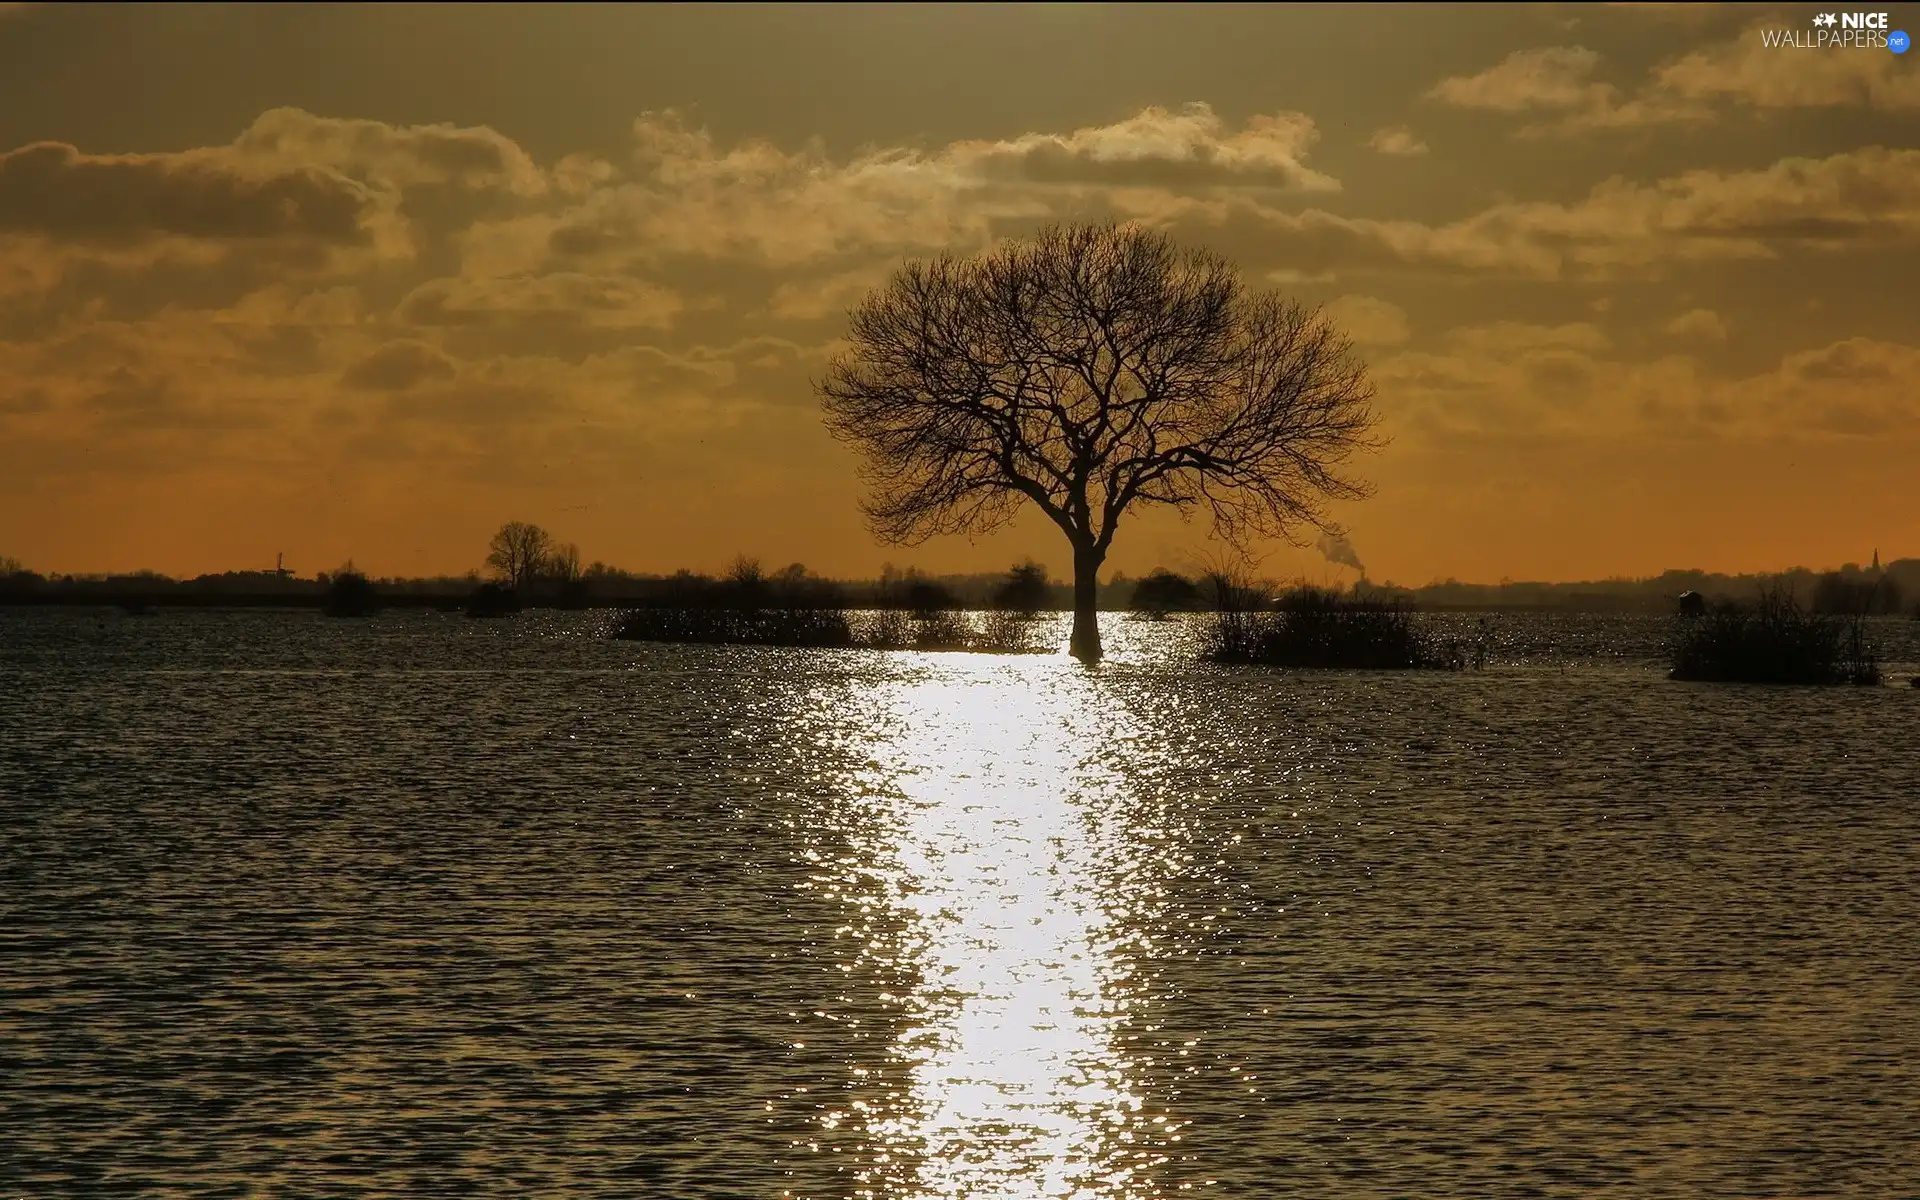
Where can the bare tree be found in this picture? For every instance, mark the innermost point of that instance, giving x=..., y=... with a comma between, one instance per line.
x=518, y=553
x=1089, y=370
x=563, y=563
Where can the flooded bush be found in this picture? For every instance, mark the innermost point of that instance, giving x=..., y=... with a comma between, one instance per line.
x=993, y=632
x=1310, y=628
x=1003, y=632
x=738, y=626
x=1773, y=641
x=1164, y=592
x=1025, y=591
x=350, y=594
x=491, y=600
x=885, y=629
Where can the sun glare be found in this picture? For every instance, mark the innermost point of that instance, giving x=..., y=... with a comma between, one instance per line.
x=996, y=797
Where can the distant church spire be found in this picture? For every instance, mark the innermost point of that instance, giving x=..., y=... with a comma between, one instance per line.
x=1876, y=559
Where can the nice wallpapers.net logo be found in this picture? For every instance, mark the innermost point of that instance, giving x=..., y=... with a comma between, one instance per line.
x=1841, y=31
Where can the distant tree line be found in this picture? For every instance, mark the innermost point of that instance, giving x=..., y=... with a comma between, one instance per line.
x=526, y=564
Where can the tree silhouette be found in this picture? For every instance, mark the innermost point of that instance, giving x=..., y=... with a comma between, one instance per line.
x=1089, y=370
x=1025, y=590
x=563, y=564
x=519, y=552
x=1163, y=592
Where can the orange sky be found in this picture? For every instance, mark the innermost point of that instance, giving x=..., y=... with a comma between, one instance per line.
x=1638, y=291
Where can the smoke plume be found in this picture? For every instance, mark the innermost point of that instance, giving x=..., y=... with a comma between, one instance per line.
x=1336, y=548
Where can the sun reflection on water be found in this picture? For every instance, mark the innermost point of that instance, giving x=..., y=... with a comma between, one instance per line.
x=995, y=798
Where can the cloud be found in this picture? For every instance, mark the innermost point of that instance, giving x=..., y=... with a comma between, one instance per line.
x=1745, y=73
x=1567, y=381
x=1552, y=77
x=1369, y=321
x=53, y=190
x=1740, y=74
x=1505, y=340
x=1397, y=140
x=1700, y=324
x=1689, y=13
x=293, y=194
x=1865, y=197
x=398, y=366
x=1852, y=388
x=830, y=296
x=606, y=302
x=685, y=194
x=389, y=156
x=1159, y=148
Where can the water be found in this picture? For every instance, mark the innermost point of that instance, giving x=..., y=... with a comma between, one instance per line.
x=425, y=906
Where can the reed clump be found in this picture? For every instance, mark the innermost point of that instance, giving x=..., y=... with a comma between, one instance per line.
x=795, y=609
x=1311, y=628
x=1773, y=640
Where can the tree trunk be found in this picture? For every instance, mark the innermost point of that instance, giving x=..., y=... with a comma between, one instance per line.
x=1086, y=612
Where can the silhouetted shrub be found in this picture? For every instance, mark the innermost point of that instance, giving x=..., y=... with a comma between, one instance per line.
x=350, y=594
x=887, y=629
x=493, y=600
x=926, y=599
x=1774, y=641
x=19, y=583
x=1309, y=628
x=1026, y=590
x=1163, y=592
x=1005, y=633
x=942, y=631
x=747, y=608
x=747, y=589
x=819, y=627
x=1692, y=604
x=985, y=633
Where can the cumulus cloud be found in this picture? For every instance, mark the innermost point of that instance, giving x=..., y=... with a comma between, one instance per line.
x=1512, y=378
x=1397, y=140
x=829, y=296
x=689, y=195
x=389, y=156
x=1549, y=77
x=1159, y=148
x=602, y=301
x=1744, y=72
x=294, y=193
x=398, y=366
x=1738, y=74
x=53, y=190
x=1699, y=324
x=1860, y=197
x=1369, y=320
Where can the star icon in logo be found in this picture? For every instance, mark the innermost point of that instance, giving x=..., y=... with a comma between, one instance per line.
x=1826, y=19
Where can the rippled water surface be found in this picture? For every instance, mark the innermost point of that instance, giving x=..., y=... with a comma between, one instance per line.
x=423, y=906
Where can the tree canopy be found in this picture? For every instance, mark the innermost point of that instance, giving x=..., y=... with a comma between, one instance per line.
x=1092, y=369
